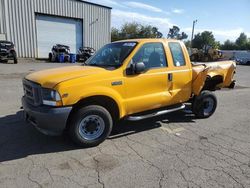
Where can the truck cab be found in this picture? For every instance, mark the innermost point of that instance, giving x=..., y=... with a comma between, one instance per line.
x=133, y=79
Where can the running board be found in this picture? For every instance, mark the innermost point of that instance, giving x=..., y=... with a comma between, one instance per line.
x=137, y=118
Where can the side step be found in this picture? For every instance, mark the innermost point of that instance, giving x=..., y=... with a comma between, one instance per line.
x=158, y=113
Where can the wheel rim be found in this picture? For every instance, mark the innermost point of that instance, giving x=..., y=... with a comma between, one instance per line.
x=91, y=127
x=208, y=106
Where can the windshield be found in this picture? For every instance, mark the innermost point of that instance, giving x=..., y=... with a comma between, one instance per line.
x=111, y=55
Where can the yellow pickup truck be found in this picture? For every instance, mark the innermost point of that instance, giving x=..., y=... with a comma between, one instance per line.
x=131, y=79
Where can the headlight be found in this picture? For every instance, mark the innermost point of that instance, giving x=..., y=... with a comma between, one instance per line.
x=51, y=97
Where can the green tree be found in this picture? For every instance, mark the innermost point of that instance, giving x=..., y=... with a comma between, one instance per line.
x=229, y=45
x=248, y=44
x=217, y=45
x=206, y=38
x=174, y=33
x=115, y=34
x=135, y=30
x=188, y=43
x=242, y=41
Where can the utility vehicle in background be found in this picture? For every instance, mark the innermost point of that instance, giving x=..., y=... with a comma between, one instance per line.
x=7, y=52
x=57, y=50
x=84, y=53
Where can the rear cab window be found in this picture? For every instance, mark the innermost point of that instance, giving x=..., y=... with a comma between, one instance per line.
x=177, y=54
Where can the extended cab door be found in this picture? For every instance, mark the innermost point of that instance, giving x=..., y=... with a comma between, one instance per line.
x=181, y=70
x=150, y=89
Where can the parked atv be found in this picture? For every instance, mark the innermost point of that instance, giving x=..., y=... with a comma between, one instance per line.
x=57, y=51
x=84, y=53
x=7, y=52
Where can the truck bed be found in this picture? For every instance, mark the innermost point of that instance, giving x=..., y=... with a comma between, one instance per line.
x=218, y=74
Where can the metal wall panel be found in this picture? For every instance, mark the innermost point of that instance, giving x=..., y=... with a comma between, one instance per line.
x=17, y=21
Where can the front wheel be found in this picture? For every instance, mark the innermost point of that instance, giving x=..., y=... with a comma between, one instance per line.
x=205, y=104
x=14, y=57
x=90, y=125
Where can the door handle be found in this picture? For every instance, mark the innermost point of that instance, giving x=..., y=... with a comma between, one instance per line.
x=170, y=77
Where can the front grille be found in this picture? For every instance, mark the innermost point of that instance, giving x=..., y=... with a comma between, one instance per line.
x=32, y=92
x=3, y=52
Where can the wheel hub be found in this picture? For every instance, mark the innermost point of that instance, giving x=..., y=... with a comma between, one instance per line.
x=91, y=127
x=208, y=106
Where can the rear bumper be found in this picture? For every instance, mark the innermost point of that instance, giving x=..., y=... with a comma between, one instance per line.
x=48, y=120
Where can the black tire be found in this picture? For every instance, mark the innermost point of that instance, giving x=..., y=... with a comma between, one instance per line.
x=85, y=58
x=77, y=58
x=14, y=57
x=15, y=60
x=204, y=105
x=86, y=117
x=66, y=59
x=50, y=57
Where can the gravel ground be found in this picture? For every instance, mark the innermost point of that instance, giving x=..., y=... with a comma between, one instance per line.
x=175, y=150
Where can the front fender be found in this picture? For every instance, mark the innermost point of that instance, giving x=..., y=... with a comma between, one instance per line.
x=97, y=91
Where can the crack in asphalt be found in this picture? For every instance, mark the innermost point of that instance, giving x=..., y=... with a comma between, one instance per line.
x=98, y=172
x=29, y=174
x=148, y=162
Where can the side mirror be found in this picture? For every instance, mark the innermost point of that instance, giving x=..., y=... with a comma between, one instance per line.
x=135, y=68
x=139, y=68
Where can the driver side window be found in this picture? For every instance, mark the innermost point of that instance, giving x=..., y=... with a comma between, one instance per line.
x=152, y=55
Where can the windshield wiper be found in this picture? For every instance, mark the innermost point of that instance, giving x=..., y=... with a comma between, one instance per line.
x=112, y=65
x=93, y=64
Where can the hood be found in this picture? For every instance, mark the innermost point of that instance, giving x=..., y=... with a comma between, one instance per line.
x=51, y=77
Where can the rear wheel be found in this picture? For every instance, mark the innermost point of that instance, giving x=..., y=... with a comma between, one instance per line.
x=15, y=61
x=15, y=58
x=77, y=58
x=50, y=57
x=204, y=105
x=66, y=58
x=90, y=125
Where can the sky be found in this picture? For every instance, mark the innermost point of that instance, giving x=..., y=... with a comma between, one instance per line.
x=225, y=18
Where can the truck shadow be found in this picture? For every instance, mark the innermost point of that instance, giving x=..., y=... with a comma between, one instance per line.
x=126, y=128
x=19, y=139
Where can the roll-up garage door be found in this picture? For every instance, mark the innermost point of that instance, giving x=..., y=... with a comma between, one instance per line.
x=53, y=30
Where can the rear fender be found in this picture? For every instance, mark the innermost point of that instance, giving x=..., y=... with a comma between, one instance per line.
x=199, y=82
